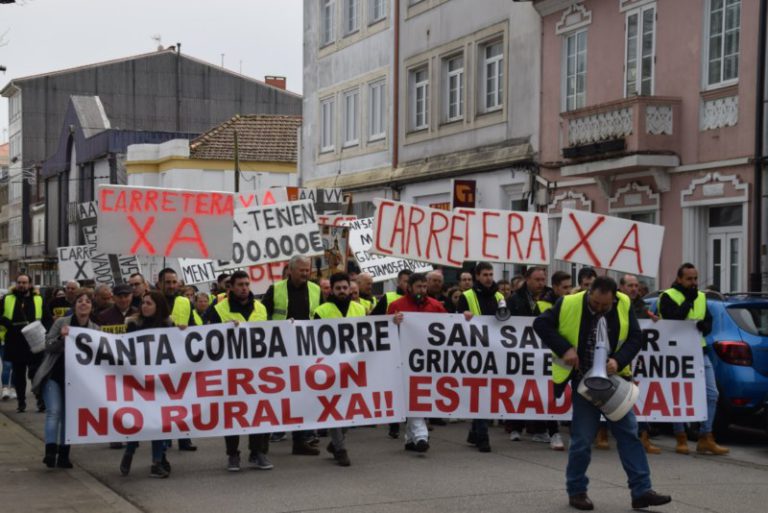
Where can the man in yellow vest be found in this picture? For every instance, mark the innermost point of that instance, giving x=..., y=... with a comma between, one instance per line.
x=365, y=286
x=338, y=306
x=182, y=315
x=390, y=297
x=684, y=301
x=22, y=307
x=569, y=330
x=482, y=299
x=240, y=305
x=294, y=298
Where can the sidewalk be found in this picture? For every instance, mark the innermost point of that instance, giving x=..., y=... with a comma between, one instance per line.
x=29, y=486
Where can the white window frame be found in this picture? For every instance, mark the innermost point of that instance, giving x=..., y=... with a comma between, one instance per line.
x=377, y=110
x=706, y=47
x=453, y=80
x=327, y=124
x=351, y=16
x=327, y=22
x=416, y=87
x=14, y=107
x=14, y=145
x=351, y=119
x=497, y=63
x=638, y=56
x=378, y=10
x=564, y=87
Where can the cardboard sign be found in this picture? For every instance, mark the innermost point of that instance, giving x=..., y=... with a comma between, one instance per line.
x=610, y=242
x=259, y=198
x=274, y=233
x=382, y=268
x=485, y=368
x=75, y=263
x=196, y=271
x=326, y=201
x=165, y=222
x=506, y=236
x=222, y=379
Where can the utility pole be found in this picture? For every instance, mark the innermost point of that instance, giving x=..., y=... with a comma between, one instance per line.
x=237, y=165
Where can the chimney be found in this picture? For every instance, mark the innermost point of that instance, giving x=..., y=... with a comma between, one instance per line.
x=278, y=82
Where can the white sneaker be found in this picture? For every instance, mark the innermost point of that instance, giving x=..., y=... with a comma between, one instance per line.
x=556, y=442
x=542, y=438
x=514, y=436
x=6, y=393
x=13, y=394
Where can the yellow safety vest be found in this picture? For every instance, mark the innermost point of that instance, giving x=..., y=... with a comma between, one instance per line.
x=259, y=312
x=474, y=304
x=569, y=323
x=181, y=311
x=10, y=306
x=391, y=297
x=366, y=303
x=543, y=306
x=697, y=313
x=331, y=311
x=280, y=299
x=196, y=316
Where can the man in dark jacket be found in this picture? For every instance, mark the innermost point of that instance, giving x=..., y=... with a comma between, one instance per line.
x=569, y=330
x=382, y=305
x=20, y=308
x=112, y=320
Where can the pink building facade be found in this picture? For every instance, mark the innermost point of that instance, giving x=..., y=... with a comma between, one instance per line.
x=648, y=111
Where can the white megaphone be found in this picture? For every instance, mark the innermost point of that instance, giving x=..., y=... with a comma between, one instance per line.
x=613, y=395
x=502, y=311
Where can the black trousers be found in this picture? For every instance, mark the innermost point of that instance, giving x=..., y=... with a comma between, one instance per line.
x=256, y=443
x=22, y=370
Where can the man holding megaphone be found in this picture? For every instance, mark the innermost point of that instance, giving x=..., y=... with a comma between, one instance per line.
x=594, y=334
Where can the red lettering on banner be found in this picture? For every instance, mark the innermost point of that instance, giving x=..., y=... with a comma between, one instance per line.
x=187, y=197
x=634, y=249
x=501, y=395
x=235, y=411
x=150, y=200
x=111, y=383
x=141, y=234
x=205, y=381
x=379, y=218
x=558, y=409
x=584, y=239
x=487, y=235
x=474, y=385
x=104, y=194
x=454, y=238
x=195, y=239
x=536, y=236
x=468, y=214
x=120, y=424
x=329, y=408
x=170, y=415
x=223, y=205
x=655, y=400
x=433, y=232
x=201, y=205
x=269, y=199
x=295, y=377
x=251, y=198
x=264, y=414
x=175, y=392
x=399, y=226
x=512, y=235
x=197, y=417
x=445, y=388
x=167, y=205
x=416, y=392
x=135, y=205
x=86, y=420
x=272, y=376
x=358, y=406
x=120, y=203
x=531, y=398
x=240, y=378
x=285, y=405
x=413, y=228
x=146, y=391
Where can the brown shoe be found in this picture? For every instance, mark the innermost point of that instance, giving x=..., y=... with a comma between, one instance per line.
x=707, y=445
x=682, y=443
x=601, y=440
x=647, y=445
x=581, y=501
x=304, y=449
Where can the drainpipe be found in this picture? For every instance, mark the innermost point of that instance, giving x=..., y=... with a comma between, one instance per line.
x=755, y=284
x=396, y=91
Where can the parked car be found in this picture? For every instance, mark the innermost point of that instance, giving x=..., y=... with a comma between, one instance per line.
x=739, y=350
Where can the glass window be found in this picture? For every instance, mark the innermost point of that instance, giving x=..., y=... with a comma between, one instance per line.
x=377, y=110
x=639, y=65
x=493, y=76
x=730, y=215
x=723, y=41
x=455, y=88
x=420, y=96
x=750, y=318
x=378, y=10
x=351, y=22
x=327, y=140
x=575, y=87
x=326, y=22
x=351, y=115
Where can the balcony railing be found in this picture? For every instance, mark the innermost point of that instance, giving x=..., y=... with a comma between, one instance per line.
x=26, y=251
x=647, y=124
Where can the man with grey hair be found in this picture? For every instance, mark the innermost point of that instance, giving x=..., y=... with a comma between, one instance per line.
x=295, y=298
x=102, y=300
x=70, y=289
x=365, y=287
x=435, y=282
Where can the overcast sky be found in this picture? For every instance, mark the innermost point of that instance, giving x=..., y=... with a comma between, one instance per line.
x=49, y=35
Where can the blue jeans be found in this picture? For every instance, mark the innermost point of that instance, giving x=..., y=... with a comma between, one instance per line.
x=584, y=426
x=54, y=412
x=158, y=449
x=712, y=395
x=5, y=379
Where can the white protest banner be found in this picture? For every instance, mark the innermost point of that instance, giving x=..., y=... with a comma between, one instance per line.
x=223, y=379
x=335, y=220
x=263, y=197
x=274, y=233
x=506, y=236
x=489, y=369
x=75, y=263
x=262, y=276
x=419, y=233
x=382, y=268
x=197, y=271
x=100, y=261
x=610, y=242
x=165, y=222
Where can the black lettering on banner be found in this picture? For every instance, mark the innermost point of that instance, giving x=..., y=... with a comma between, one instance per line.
x=344, y=338
x=521, y=363
x=452, y=361
x=85, y=353
x=508, y=336
x=80, y=273
x=650, y=340
x=664, y=366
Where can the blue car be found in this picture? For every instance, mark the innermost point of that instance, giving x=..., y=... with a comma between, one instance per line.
x=739, y=350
